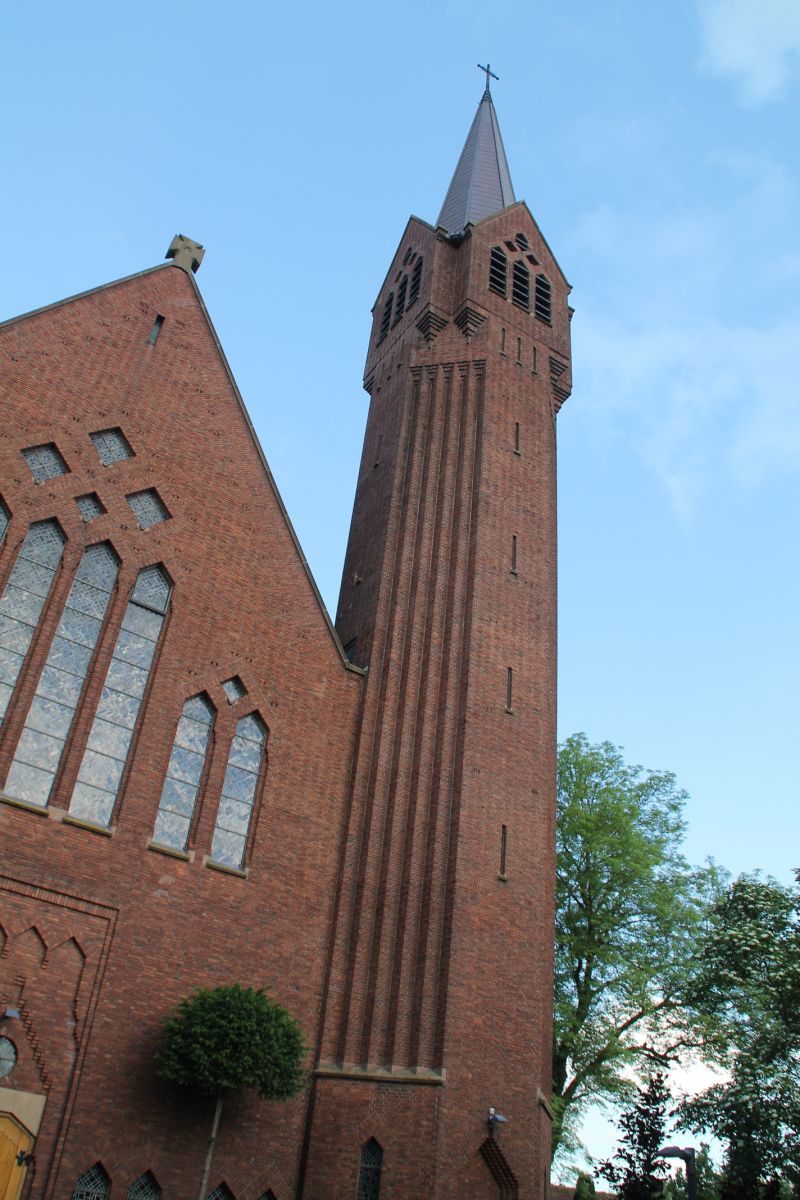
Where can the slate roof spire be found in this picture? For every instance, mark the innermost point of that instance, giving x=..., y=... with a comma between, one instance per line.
x=481, y=184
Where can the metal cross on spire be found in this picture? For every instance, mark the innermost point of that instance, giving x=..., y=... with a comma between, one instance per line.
x=488, y=71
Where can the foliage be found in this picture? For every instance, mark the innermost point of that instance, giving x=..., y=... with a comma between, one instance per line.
x=708, y=1179
x=749, y=979
x=636, y=1171
x=226, y=1039
x=229, y=1038
x=584, y=1187
x=629, y=914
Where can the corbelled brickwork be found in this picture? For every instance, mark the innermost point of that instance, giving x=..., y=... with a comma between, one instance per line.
x=396, y=889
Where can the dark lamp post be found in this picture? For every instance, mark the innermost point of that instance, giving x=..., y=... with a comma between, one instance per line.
x=687, y=1153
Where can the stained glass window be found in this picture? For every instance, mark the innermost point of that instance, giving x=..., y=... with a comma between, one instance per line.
x=93, y=1184
x=89, y=506
x=4, y=519
x=369, y=1177
x=23, y=600
x=234, y=689
x=53, y=708
x=45, y=462
x=111, y=446
x=144, y=1188
x=239, y=792
x=120, y=700
x=185, y=770
x=148, y=508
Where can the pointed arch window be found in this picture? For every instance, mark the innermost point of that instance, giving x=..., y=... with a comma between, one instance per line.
x=369, y=1176
x=121, y=698
x=184, y=772
x=23, y=599
x=223, y=1192
x=144, y=1188
x=498, y=271
x=93, y=1184
x=5, y=517
x=53, y=708
x=239, y=792
x=386, y=319
x=521, y=286
x=542, y=300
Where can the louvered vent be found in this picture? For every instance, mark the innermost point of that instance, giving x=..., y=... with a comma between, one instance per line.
x=542, y=300
x=498, y=272
x=400, y=306
x=386, y=319
x=521, y=287
x=416, y=279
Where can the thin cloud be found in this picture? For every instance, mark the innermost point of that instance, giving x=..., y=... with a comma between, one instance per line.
x=755, y=41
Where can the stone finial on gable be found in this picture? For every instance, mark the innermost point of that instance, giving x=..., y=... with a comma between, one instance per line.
x=185, y=253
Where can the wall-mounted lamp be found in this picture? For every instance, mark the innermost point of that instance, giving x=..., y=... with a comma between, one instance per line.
x=11, y=1014
x=494, y=1119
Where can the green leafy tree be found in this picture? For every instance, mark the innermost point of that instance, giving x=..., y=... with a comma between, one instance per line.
x=629, y=912
x=584, y=1187
x=708, y=1179
x=636, y=1170
x=748, y=977
x=225, y=1039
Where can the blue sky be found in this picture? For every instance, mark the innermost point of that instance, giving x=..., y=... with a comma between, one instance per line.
x=657, y=146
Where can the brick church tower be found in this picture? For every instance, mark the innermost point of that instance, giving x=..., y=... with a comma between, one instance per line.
x=438, y=1006
x=203, y=782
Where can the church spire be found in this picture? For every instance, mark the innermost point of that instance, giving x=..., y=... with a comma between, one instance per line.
x=481, y=184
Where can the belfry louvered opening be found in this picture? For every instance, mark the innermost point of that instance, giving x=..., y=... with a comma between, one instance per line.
x=386, y=319
x=498, y=271
x=521, y=287
x=542, y=300
x=416, y=279
x=400, y=306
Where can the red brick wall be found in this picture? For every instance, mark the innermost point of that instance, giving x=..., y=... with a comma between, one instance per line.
x=102, y=934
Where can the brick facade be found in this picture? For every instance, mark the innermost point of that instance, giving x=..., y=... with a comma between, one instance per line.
x=371, y=900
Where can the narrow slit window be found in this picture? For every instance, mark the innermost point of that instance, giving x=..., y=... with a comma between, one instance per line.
x=117, y=712
x=533, y=360
x=400, y=306
x=416, y=280
x=509, y=690
x=516, y=438
x=502, y=341
x=187, y=763
x=513, y=554
x=52, y=712
x=239, y=792
x=111, y=446
x=503, y=850
x=93, y=1184
x=369, y=1175
x=498, y=271
x=234, y=689
x=45, y=462
x=23, y=599
x=5, y=517
x=158, y=325
x=542, y=300
x=386, y=319
x=519, y=351
x=521, y=286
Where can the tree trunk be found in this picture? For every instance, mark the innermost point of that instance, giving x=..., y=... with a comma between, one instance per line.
x=210, y=1151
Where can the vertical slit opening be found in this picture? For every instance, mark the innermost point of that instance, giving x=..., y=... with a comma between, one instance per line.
x=156, y=330
x=503, y=850
x=513, y=554
x=509, y=690
x=516, y=438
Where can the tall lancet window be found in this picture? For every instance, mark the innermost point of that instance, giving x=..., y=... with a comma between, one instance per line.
x=185, y=770
x=4, y=519
x=53, y=709
x=23, y=600
x=239, y=792
x=120, y=700
x=369, y=1177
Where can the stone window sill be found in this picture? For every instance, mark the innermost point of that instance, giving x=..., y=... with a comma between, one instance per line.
x=171, y=852
x=24, y=804
x=90, y=826
x=215, y=866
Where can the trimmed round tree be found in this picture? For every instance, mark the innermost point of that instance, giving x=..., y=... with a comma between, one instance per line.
x=227, y=1039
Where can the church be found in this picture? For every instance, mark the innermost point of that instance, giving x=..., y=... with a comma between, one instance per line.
x=206, y=781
